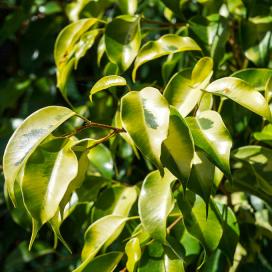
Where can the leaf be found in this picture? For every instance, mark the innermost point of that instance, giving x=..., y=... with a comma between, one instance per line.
x=117, y=200
x=104, y=230
x=133, y=251
x=155, y=203
x=145, y=117
x=231, y=232
x=211, y=135
x=256, y=77
x=177, y=150
x=252, y=172
x=202, y=176
x=265, y=135
x=67, y=43
x=101, y=161
x=105, y=262
x=107, y=82
x=207, y=230
x=128, y=6
x=101, y=49
x=27, y=137
x=165, y=45
x=242, y=93
x=183, y=92
x=123, y=40
x=47, y=175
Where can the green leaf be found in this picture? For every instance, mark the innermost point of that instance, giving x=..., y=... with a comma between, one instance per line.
x=101, y=161
x=128, y=6
x=265, y=135
x=207, y=229
x=253, y=171
x=101, y=49
x=103, y=231
x=105, y=262
x=231, y=232
x=202, y=176
x=133, y=251
x=27, y=137
x=107, y=82
x=69, y=41
x=183, y=92
x=117, y=200
x=145, y=117
x=47, y=175
x=211, y=135
x=123, y=40
x=242, y=93
x=155, y=203
x=177, y=150
x=256, y=77
x=165, y=45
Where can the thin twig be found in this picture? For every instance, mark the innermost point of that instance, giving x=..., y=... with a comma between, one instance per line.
x=173, y=224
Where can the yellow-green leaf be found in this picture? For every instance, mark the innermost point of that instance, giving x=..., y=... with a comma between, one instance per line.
x=145, y=117
x=165, y=45
x=27, y=137
x=107, y=82
x=133, y=251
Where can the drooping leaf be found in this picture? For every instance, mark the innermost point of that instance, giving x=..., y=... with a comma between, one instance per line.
x=183, y=92
x=47, y=175
x=145, y=117
x=256, y=77
x=27, y=137
x=107, y=82
x=165, y=45
x=242, y=93
x=117, y=200
x=104, y=230
x=123, y=40
x=208, y=230
x=202, y=176
x=155, y=203
x=211, y=135
x=178, y=148
x=133, y=251
x=106, y=262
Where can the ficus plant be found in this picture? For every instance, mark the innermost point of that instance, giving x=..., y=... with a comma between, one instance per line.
x=168, y=158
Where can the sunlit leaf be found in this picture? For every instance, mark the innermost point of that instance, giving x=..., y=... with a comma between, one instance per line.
x=128, y=6
x=133, y=251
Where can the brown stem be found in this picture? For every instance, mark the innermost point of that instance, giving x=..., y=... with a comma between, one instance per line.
x=103, y=139
x=174, y=223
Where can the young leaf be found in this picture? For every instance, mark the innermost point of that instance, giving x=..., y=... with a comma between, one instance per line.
x=47, y=175
x=211, y=135
x=103, y=231
x=107, y=82
x=165, y=45
x=145, y=117
x=155, y=203
x=242, y=93
x=178, y=148
x=133, y=251
x=207, y=229
x=27, y=137
x=123, y=40
x=106, y=262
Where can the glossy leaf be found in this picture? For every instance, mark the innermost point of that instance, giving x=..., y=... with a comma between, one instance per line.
x=145, y=117
x=104, y=230
x=47, y=175
x=27, y=137
x=117, y=200
x=123, y=40
x=184, y=93
x=211, y=135
x=133, y=251
x=128, y=6
x=165, y=45
x=106, y=262
x=242, y=93
x=256, y=77
x=178, y=148
x=155, y=203
x=107, y=82
x=207, y=229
